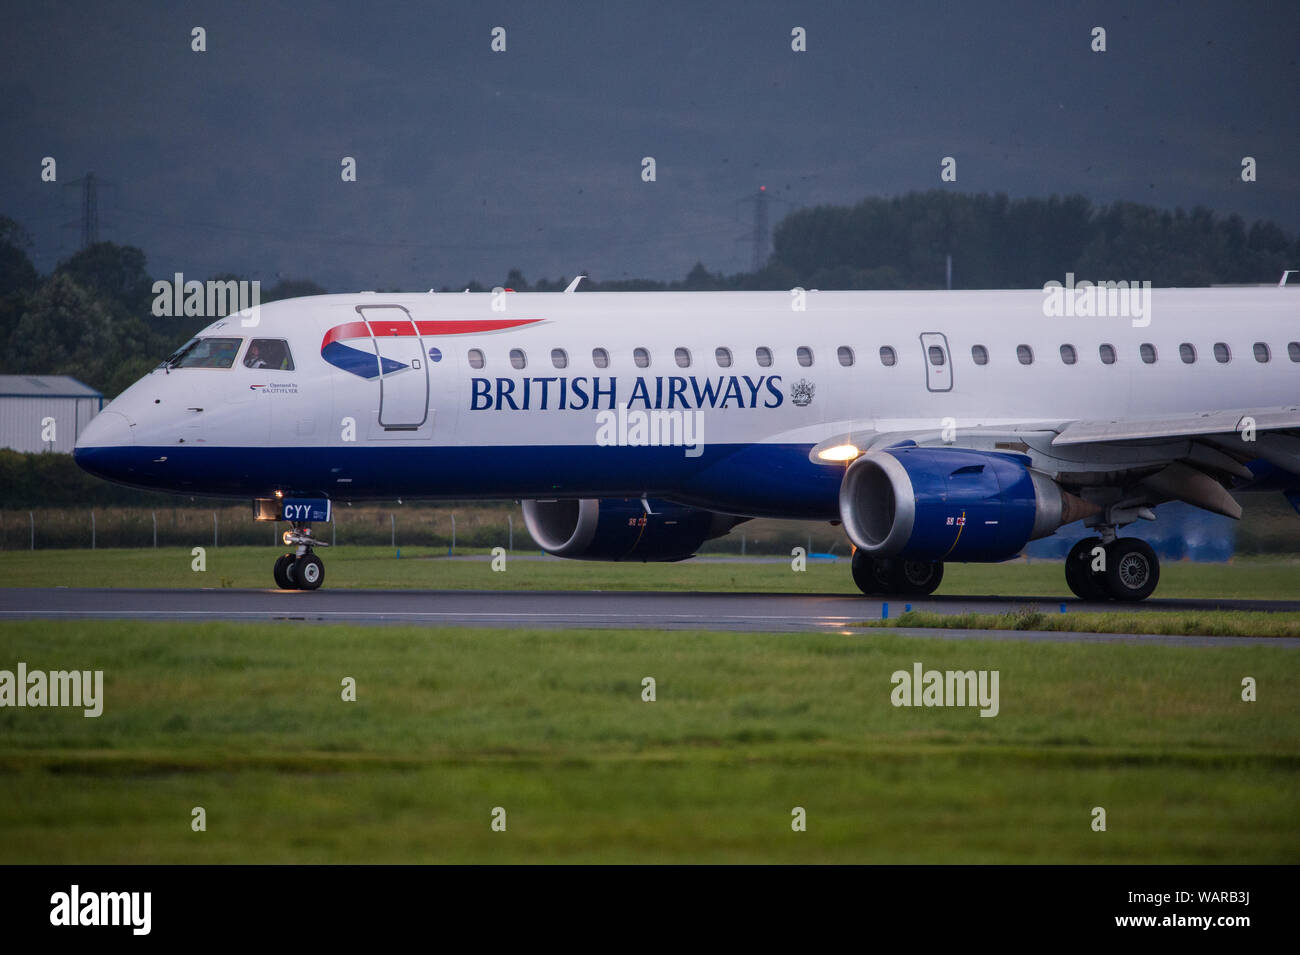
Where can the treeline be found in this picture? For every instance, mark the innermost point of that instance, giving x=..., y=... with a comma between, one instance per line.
x=92, y=317
x=995, y=242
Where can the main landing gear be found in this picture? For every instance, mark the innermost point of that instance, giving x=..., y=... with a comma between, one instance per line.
x=1123, y=568
x=910, y=578
x=301, y=570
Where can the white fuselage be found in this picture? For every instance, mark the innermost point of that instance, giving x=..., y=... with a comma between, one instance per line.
x=505, y=395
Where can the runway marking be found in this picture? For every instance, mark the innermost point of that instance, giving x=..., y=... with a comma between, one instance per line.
x=830, y=621
x=624, y=610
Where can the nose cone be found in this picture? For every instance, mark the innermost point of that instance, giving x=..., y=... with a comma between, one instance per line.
x=99, y=449
x=108, y=429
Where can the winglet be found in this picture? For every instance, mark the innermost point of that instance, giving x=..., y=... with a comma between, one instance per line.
x=573, y=286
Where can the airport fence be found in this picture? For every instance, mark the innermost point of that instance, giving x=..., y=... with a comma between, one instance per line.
x=43, y=528
x=412, y=526
x=1268, y=528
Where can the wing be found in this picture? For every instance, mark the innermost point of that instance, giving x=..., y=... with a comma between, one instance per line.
x=1244, y=423
x=1129, y=462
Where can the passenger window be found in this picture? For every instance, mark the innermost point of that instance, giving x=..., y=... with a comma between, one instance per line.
x=269, y=353
x=936, y=355
x=804, y=355
x=1262, y=353
x=1069, y=355
x=845, y=354
x=979, y=354
x=642, y=357
x=683, y=357
x=1025, y=354
x=1187, y=352
x=476, y=358
x=600, y=358
x=1222, y=353
x=518, y=359
x=888, y=357
x=723, y=357
x=1107, y=353
x=559, y=358
x=763, y=356
x=1293, y=350
x=1148, y=352
x=207, y=353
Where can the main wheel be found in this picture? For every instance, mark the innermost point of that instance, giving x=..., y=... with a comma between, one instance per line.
x=917, y=578
x=1079, y=575
x=865, y=573
x=283, y=572
x=309, y=572
x=1132, y=569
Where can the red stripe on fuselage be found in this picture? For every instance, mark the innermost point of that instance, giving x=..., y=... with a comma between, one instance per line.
x=387, y=329
x=466, y=326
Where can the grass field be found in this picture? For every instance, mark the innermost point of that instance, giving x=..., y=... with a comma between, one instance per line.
x=246, y=721
x=1203, y=623
x=423, y=568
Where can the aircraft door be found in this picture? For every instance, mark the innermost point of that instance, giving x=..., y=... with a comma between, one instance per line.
x=938, y=361
x=403, y=371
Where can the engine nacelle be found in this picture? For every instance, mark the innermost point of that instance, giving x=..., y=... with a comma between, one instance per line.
x=622, y=529
x=951, y=504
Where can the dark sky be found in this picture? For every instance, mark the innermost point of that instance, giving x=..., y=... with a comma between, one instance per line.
x=472, y=162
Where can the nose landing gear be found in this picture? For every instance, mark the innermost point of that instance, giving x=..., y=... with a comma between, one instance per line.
x=302, y=569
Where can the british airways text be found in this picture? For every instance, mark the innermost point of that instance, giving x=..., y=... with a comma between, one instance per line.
x=593, y=393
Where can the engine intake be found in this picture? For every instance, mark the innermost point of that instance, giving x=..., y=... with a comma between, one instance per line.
x=621, y=529
x=951, y=504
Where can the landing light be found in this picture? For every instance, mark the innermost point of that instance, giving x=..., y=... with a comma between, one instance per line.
x=841, y=452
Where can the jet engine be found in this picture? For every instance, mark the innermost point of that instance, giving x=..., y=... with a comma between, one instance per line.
x=951, y=504
x=622, y=529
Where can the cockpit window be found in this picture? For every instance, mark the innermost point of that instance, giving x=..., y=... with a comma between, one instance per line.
x=171, y=359
x=269, y=353
x=206, y=353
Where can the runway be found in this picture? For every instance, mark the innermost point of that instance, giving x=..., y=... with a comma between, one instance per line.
x=766, y=612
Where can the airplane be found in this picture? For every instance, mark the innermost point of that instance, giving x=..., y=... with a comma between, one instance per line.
x=933, y=426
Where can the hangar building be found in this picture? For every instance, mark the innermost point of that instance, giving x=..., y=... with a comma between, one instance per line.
x=45, y=412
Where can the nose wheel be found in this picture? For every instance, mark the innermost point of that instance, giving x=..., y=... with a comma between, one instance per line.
x=284, y=572
x=301, y=570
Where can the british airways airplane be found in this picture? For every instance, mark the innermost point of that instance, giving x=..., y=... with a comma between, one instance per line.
x=934, y=426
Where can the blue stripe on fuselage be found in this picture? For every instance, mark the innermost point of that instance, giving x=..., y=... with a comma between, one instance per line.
x=356, y=361
x=776, y=480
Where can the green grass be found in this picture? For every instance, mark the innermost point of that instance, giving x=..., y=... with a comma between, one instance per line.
x=425, y=568
x=246, y=720
x=1206, y=623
